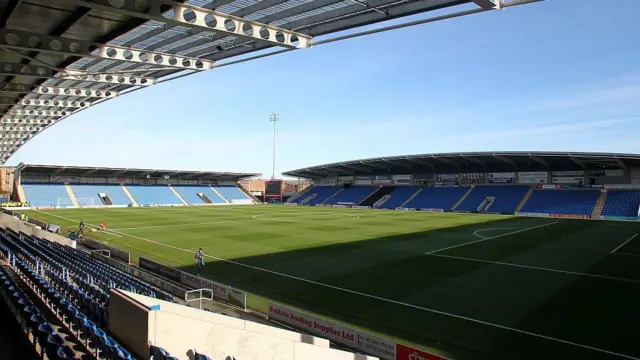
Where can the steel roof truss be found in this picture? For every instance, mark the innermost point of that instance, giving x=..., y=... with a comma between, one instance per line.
x=39, y=113
x=539, y=160
x=421, y=162
x=201, y=19
x=504, y=159
x=56, y=91
x=23, y=40
x=44, y=103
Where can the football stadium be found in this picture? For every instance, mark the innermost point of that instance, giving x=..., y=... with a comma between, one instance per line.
x=524, y=255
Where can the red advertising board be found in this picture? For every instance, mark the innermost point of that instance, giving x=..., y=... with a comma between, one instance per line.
x=404, y=352
x=569, y=216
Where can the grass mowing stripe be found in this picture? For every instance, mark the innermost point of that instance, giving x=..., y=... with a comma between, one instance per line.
x=405, y=304
x=536, y=268
x=490, y=238
x=178, y=225
x=624, y=243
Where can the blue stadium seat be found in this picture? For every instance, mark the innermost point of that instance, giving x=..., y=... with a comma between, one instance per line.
x=84, y=192
x=38, y=194
x=622, y=203
x=399, y=195
x=317, y=195
x=437, y=198
x=231, y=192
x=153, y=195
x=506, y=200
x=353, y=194
x=562, y=202
x=190, y=194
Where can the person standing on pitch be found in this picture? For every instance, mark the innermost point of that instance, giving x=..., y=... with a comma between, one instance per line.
x=199, y=260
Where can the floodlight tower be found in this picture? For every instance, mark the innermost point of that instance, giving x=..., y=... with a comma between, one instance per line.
x=274, y=117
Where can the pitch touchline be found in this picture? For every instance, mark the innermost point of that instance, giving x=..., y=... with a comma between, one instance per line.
x=395, y=301
x=490, y=238
x=624, y=243
x=536, y=268
x=66, y=218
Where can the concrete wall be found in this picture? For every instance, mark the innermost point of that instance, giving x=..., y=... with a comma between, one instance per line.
x=30, y=229
x=129, y=322
x=231, y=322
x=182, y=335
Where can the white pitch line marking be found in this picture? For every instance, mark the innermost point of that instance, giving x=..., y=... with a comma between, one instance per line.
x=476, y=233
x=537, y=268
x=626, y=254
x=490, y=238
x=624, y=243
x=397, y=302
x=66, y=218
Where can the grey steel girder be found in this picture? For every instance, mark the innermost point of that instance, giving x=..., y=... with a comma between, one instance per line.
x=201, y=19
x=23, y=40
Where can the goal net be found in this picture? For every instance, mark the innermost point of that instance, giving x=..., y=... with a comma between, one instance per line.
x=83, y=202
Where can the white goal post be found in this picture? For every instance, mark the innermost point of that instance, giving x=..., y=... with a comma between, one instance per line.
x=83, y=202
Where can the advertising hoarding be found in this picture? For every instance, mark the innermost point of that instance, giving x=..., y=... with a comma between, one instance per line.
x=532, y=177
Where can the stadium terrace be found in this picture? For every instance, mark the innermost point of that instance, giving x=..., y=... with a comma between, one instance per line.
x=549, y=184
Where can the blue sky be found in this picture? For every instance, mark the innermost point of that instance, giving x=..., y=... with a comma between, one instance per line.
x=558, y=75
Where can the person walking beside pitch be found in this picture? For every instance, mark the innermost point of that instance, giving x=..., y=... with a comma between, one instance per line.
x=199, y=260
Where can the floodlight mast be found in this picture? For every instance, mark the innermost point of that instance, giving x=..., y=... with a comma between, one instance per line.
x=274, y=117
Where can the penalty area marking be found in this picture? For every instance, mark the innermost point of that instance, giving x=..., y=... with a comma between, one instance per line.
x=310, y=217
x=477, y=321
x=490, y=238
x=623, y=244
x=476, y=233
x=537, y=268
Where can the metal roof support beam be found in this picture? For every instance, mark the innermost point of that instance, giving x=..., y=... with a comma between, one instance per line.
x=355, y=167
x=489, y=4
x=20, y=120
x=45, y=103
x=400, y=164
x=446, y=161
x=621, y=163
x=421, y=162
x=39, y=113
x=22, y=40
x=89, y=172
x=59, y=170
x=473, y=160
x=56, y=91
x=376, y=165
x=504, y=159
x=539, y=160
x=577, y=161
x=201, y=19
x=119, y=172
x=7, y=68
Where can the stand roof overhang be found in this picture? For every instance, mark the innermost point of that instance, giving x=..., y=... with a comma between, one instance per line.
x=91, y=171
x=473, y=162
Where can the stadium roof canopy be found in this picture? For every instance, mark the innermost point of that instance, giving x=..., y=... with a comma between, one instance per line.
x=58, y=57
x=77, y=171
x=481, y=162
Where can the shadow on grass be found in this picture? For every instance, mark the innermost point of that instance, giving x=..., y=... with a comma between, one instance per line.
x=385, y=285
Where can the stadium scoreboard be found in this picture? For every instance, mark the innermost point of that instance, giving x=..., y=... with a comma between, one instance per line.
x=273, y=190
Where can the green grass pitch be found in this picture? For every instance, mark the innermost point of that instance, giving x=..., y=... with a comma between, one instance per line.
x=473, y=286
